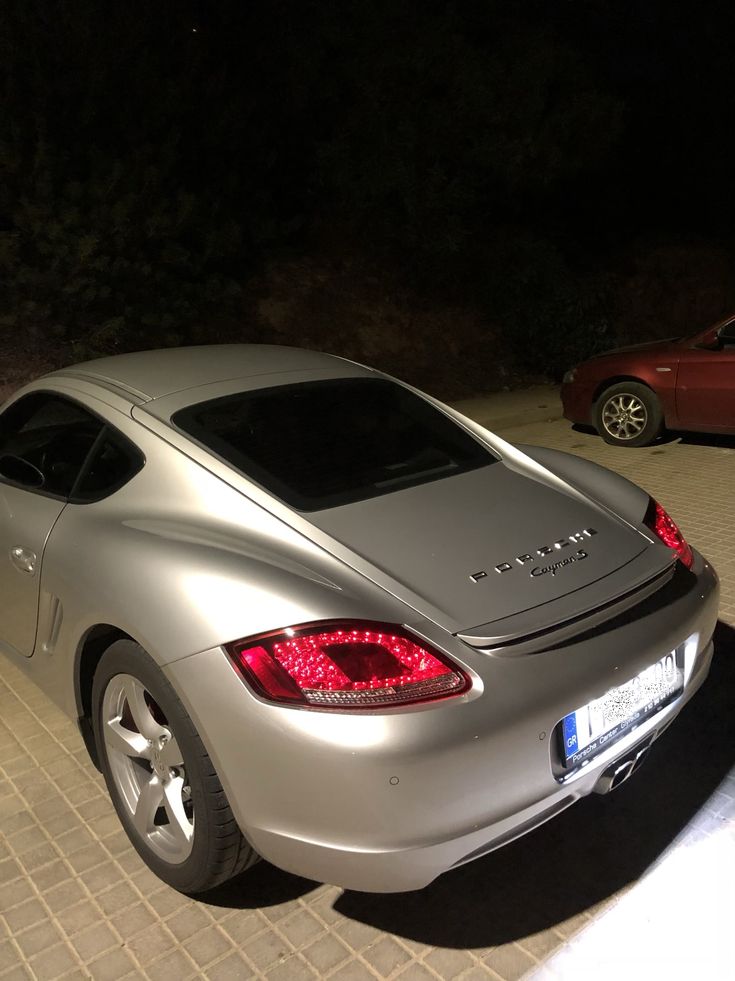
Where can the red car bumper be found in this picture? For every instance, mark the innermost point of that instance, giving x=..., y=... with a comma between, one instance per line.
x=577, y=402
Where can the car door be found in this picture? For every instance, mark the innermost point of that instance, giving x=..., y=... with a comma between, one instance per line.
x=44, y=440
x=705, y=389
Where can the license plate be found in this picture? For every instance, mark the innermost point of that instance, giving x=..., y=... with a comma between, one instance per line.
x=596, y=725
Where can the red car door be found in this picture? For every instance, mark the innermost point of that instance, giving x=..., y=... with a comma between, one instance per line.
x=705, y=389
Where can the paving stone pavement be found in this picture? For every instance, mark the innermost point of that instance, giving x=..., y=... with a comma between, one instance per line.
x=640, y=883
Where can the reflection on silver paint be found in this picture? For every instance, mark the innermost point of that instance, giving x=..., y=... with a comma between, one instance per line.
x=239, y=545
x=219, y=596
x=24, y=559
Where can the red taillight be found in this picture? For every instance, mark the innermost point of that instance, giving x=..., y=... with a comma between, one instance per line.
x=666, y=528
x=346, y=665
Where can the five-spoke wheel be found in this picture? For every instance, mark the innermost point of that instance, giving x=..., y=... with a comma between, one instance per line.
x=161, y=780
x=147, y=766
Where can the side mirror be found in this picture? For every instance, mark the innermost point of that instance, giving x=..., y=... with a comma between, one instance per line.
x=709, y=340
x=20, y=471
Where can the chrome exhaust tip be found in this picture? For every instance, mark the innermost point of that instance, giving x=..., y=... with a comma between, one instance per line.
x=619, y=771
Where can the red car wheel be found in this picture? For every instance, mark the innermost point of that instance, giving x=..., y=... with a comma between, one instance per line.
x=628, y=414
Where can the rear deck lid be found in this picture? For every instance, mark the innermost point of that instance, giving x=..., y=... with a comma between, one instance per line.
x=397, y=489
x=486, y=544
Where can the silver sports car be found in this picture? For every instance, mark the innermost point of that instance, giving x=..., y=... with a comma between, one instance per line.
x=305, y=612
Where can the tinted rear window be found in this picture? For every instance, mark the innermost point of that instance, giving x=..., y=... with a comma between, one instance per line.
x=326, y=443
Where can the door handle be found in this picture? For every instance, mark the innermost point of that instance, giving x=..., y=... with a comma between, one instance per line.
x=23, y=559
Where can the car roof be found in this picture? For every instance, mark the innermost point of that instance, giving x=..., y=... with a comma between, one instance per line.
x=150, y=375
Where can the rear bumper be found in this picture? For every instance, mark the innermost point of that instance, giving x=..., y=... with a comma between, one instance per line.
x=387, y=801
x=405, y=869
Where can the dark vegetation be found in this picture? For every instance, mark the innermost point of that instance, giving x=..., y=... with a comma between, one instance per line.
x=461, y=192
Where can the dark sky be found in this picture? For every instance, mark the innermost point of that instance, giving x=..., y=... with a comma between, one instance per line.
x=155, y=155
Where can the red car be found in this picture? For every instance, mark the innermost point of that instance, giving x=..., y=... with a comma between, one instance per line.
x=629, y=395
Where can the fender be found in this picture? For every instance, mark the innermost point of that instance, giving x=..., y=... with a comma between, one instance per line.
x=602, y=485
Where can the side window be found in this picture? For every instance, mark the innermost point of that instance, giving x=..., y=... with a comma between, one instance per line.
x=113, y=463
x=44, y=441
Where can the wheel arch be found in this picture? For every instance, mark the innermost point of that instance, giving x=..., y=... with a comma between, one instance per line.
x=616, y=380
x=90, y=649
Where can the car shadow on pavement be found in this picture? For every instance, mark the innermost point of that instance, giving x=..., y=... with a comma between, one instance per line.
x=572, y=863
x=719, y=440
x=707, y=439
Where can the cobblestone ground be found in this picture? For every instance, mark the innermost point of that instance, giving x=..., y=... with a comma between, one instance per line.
x=640, y=883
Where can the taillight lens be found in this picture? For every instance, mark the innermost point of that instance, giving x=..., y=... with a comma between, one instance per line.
x=663, y=525
x=345, y=664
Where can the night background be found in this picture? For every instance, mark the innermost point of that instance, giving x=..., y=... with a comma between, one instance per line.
x=467, y=194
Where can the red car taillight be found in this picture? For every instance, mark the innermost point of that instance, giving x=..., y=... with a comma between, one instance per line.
x=664, y=526
x=346, y=664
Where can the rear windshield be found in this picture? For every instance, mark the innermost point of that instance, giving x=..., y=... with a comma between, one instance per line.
x=321, y=444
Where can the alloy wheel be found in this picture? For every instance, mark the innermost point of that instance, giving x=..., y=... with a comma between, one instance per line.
x=148, y=769
x=624, y=416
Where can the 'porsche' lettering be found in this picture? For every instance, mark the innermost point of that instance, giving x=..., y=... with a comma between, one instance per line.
x=542, y=551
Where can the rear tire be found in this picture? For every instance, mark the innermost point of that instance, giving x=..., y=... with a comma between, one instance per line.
x=628, y=414
x=159, y=775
